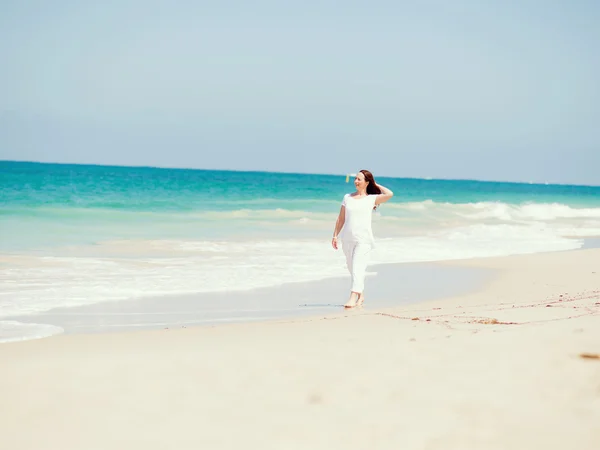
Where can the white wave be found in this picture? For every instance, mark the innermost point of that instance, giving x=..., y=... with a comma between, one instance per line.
x=426, y=216
x=264, y=214
x=477, y=241
x=581, y=232
x=12, y=331
x=261, y=248
x=531, y=211
x=413, y=206
x=42, y=283
x=552, y=211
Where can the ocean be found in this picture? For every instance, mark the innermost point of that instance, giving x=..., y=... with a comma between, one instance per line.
x=74, y=235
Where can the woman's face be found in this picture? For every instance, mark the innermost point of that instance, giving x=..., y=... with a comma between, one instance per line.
x=359, y=181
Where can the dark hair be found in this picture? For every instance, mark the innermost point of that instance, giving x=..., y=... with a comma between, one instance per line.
x=372, y=187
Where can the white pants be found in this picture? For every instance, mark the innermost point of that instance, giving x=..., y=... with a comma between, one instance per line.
x=357, y=258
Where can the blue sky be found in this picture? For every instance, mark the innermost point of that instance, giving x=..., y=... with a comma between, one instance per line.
x=498, y=90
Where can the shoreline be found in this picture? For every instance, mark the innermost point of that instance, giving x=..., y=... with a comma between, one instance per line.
x=288, y=301
x=513, y=365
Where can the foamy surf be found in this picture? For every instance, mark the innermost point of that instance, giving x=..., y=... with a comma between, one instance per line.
x=41, y=283
x=12, y=331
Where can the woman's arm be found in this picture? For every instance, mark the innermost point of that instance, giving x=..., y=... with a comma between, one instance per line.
x=338, y=226
x=385, y=195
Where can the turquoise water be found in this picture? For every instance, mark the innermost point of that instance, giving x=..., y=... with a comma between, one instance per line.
x=45, y=205
x=75, y=235
x=30, y=185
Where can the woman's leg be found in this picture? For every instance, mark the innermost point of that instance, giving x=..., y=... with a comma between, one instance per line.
x=360, y=260
x=349, y=253
x=357, y=258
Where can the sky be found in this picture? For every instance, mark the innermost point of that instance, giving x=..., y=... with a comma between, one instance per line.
x=496, y=90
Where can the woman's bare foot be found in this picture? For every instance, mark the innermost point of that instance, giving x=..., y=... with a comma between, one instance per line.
x=360, y=301
x=352, y=301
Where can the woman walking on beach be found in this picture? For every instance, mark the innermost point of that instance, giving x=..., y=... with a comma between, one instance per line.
x=354, y=220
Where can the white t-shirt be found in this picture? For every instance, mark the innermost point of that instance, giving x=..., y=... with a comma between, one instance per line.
x=359, y=214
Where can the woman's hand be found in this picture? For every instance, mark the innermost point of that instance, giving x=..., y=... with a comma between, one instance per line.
x=339, y=224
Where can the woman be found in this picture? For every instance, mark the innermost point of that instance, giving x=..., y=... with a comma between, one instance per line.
x=357, y=238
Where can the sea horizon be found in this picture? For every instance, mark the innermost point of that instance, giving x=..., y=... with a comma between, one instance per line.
x=332, y=174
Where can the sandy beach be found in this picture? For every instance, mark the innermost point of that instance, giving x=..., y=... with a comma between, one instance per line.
x=513, y=365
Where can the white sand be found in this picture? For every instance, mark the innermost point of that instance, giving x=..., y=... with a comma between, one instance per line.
x=355, y=380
